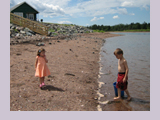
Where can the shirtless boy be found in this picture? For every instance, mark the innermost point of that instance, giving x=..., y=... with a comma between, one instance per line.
x=122, y=74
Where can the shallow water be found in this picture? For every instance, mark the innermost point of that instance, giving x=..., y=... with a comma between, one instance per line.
x=136, y=48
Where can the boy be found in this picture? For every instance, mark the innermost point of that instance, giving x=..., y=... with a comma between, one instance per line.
x=122, y=74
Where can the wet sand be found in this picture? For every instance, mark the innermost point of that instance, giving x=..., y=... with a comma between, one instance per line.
x=73, y=83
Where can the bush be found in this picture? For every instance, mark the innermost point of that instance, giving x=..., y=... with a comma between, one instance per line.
x=52, y=30
x=101, y=31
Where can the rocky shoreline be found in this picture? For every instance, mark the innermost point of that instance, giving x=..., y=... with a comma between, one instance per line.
x=55, y=29
x=73, y=83
x=20, y=34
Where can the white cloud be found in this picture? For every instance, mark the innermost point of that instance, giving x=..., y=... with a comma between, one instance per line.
x=104, y=7
x=95, y=19
x=115, y=17
x=64, y=22
x=12, y=3
x=64, y=18
x=83, y=8
x=52, y=10
x=101, y=18
x=131, y=14
x=47, y=8
x=136, y=3
x=146, y=7
x=122, y=11
x=127, y=4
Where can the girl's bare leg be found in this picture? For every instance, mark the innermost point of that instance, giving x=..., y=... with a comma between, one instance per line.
x=119, y=94
x=40, y=80
x=43, y=81
x=127, y=92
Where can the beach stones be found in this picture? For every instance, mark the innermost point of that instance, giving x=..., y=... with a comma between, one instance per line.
x=22, y=32
x=18, y=54
x=40, y=44
x=69, y=74
x=68, y=32
x=50, y=76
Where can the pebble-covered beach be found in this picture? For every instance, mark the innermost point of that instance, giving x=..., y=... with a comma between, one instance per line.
x=74, y=67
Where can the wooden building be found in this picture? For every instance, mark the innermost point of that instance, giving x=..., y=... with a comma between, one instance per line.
x=25, y=10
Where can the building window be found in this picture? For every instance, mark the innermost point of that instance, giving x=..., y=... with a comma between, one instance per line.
x=19, y=13
x=27, y=16
x=31, y=16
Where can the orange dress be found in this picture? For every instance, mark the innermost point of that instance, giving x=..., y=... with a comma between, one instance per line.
x=41, y=69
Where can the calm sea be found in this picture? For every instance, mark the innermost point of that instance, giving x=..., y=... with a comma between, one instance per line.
x=136, y=48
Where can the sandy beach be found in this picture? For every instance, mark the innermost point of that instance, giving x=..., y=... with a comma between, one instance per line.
x=73, y=83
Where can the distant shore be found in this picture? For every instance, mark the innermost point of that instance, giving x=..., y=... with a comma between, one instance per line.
x=73, y=83
x=129, y=31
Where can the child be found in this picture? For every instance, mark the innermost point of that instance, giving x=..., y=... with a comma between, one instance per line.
x=41, y=66
x=122, y=74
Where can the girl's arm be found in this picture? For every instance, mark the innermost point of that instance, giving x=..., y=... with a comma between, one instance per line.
x=36, y=63
x=45, y=59
x=126, y=72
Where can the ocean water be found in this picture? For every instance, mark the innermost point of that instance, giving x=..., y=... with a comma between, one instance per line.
x=136, y=48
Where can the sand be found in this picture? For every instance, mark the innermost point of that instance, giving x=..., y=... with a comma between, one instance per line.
x=73, y=83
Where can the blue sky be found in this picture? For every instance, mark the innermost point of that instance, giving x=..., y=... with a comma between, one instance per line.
x=89, y=12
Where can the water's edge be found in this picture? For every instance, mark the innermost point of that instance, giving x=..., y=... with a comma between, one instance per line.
x=99, y=76
x=106, y=87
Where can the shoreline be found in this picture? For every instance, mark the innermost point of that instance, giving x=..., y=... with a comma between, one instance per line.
x=129, y=31
x=73, y=83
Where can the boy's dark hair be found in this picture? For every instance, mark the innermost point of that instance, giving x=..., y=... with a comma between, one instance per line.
x=118, y=51
x=39, y=51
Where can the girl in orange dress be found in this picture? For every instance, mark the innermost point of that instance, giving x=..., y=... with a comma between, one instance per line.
x=41, y=66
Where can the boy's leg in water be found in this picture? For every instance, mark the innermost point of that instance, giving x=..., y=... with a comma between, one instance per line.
x=119, y=94
x=127, y=92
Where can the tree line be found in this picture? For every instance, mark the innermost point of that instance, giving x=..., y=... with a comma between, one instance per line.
x=120, y=27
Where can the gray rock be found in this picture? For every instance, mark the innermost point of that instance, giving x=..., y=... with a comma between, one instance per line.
x=69, y=74
x=26, y=29
x=19, y=28
x=63, y=32
x=28, y=33
x=40, y=44
x=49, y=33
x=17, y=35
x=23, y=32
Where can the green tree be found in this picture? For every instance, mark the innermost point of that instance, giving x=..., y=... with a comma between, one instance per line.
x=144, y=25
x=148, y=26
x=94, y=27
x=138, y=25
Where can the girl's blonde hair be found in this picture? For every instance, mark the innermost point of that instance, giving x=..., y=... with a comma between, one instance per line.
x=39, y=51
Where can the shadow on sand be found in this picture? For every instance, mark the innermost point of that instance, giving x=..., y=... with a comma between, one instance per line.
x=51, y=88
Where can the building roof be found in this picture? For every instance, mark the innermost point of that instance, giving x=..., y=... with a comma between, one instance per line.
x=16, y=6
